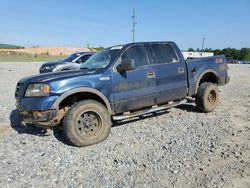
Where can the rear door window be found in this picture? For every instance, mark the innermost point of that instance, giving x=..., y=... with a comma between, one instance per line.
x=163, y=53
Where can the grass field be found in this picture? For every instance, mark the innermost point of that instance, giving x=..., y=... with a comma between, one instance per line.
x=24, y=57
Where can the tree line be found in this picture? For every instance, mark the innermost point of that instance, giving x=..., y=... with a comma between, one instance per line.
x=242, y=54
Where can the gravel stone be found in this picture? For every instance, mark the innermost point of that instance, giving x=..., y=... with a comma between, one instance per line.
x=179, y=147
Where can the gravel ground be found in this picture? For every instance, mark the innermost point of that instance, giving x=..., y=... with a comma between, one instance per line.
x=179, y=147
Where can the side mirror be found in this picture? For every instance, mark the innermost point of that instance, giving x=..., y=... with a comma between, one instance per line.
x=78, y=61
x=126, y=65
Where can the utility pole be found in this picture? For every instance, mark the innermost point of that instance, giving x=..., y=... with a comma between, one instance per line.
x=133, y=26
x=202, y=46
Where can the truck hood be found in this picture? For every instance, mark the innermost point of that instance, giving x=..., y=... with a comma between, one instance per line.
x=48, y=77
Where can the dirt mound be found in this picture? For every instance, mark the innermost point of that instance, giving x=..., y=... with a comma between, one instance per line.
x=50, y=50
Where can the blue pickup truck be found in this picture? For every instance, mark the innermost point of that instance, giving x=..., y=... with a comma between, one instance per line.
x=119, y=82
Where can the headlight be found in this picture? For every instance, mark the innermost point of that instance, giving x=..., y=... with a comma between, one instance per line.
x=37, y=90
x=52, y=66
x=48, y=67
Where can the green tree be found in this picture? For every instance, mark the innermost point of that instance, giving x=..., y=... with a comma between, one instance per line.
x=217, y=52
x=245, y=53
x=248, y=55
x=208, y=50
x=236, y=54
x=228, y=52
x=191, y=50
x=99, y=48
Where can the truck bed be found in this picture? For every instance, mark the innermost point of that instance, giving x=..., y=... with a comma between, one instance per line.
x=197, y=68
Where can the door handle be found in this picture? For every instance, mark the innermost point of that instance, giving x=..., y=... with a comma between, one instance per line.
x=151, y=74
x=181, y=70
x=193, y=70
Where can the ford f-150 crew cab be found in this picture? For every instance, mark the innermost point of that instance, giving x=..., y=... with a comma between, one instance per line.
x=117, y=83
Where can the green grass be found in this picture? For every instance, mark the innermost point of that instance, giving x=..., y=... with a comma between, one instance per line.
x=16, y=57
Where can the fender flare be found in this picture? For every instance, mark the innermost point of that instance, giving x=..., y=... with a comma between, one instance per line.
x=200, y=77
x=55, y=105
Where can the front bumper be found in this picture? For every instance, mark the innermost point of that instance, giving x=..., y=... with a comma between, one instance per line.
x=46, y=118
x=38, y=111
x=36, y=103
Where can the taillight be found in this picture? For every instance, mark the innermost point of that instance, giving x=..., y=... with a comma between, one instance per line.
x=219, y=60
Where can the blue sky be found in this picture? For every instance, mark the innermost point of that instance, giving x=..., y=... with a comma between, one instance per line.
x=223, y=23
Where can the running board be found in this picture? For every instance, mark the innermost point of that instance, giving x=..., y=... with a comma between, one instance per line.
x=147, y=111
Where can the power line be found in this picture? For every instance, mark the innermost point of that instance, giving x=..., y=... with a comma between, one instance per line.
x=133, y=25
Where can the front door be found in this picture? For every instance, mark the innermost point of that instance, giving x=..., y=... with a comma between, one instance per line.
x=136, y=88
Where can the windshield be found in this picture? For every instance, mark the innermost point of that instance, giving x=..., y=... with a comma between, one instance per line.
x=71, y=57
x=101, y=60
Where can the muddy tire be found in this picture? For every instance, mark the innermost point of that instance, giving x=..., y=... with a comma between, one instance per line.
x=86, y=123
x=207, y=96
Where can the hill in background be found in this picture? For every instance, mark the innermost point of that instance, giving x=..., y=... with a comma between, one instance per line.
x=10, y=53
x=8, y=46
x=62, y=51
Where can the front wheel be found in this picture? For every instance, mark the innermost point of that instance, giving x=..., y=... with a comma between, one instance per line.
x=86, y=123
x=206, y=98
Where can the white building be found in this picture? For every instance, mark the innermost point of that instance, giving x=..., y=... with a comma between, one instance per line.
x=187, y=54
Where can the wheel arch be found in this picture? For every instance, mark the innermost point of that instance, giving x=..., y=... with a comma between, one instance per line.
x=92, y=94
x=207, y=76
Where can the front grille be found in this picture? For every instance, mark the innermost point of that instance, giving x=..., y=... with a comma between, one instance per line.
x=45, y=69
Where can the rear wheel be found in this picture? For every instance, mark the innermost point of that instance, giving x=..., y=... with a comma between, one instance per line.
x=86, y=123
x=206, y=98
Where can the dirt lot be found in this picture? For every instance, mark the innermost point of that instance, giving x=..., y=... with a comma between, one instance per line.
x=179, y=147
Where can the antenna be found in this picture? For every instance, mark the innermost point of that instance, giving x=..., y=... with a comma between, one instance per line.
x=133, y=26
x=202, y=46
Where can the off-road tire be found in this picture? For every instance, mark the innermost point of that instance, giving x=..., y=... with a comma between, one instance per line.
x=207, y=96
x=87, y=113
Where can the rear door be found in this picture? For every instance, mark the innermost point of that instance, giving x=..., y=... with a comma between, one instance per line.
x=134, y=89
x=170, y=71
